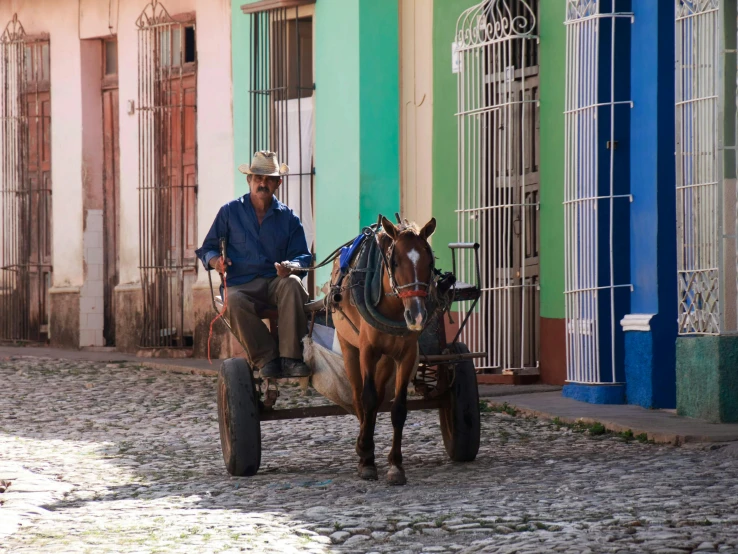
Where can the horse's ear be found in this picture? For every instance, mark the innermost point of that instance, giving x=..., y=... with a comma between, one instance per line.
x=428, y=229
x=389, y=228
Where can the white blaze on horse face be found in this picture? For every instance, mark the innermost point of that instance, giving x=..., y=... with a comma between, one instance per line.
x=417, y=305
x=414, y=256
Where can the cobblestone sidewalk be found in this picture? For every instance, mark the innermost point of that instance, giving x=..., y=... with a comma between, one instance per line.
x=115, y=458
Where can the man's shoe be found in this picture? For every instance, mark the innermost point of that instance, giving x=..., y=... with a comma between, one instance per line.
x=272, y=370
x=294, y=368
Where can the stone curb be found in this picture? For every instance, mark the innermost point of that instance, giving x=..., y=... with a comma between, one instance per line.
x=675, y=439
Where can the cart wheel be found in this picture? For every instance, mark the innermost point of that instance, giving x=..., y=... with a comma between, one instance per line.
x=459, y=414
x=238, y=418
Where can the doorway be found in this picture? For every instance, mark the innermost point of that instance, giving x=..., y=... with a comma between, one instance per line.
x=111, y=181
x=498, y=191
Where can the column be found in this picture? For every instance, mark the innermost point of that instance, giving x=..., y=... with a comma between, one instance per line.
x=650, y=328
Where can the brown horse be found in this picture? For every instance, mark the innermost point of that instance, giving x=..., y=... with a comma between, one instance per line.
x=370, y=355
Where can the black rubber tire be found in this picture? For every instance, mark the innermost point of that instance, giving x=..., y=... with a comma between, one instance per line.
x=238, y=418
x=459, y=413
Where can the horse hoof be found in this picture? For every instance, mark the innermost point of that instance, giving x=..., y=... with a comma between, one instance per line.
x=396, y=476
x=368, y=472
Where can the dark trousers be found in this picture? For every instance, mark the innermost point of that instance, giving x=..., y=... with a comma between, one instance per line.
x=245, y=301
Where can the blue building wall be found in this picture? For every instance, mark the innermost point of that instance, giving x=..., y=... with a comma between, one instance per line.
x=650, y=355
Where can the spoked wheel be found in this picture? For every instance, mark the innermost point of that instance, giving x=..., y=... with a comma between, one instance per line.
x=459, y=414
x=238, y=418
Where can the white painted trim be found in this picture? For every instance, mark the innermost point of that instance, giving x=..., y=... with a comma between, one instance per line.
x=637, y=322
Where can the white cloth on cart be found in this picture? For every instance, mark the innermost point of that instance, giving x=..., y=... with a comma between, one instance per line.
x=322, y=354
x=329, y=376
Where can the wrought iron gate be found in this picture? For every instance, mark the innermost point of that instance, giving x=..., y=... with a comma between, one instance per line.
x=25, y=275
x=699, y=183
x=280, y=101
x=589, y=192
x=167, y=175
x=498, y=192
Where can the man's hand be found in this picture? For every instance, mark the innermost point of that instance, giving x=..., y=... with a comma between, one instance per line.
x=219, y=265
x=285, y=269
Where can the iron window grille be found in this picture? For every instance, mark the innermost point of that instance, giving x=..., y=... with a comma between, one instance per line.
x=25, y=145
x=593, y=203
x=167, y=100
x=705, y=131
x=280, y=89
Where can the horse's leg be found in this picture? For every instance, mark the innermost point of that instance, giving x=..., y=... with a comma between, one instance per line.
x=385, y=370
x=370, y=403
x=353, y=372
x=396, y=473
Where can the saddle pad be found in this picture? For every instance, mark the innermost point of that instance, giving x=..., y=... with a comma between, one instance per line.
x=348, y=252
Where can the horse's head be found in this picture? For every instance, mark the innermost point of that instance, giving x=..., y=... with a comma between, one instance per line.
x=411, y=263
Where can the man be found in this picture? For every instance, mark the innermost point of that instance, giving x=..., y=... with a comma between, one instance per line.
x=266, y=247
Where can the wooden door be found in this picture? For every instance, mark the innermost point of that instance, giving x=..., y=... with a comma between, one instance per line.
x=526, y=230
x=111, y=210
x=35, y=214
x=180, y=163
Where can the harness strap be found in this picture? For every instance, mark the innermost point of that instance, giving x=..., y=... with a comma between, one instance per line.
x=412, y=293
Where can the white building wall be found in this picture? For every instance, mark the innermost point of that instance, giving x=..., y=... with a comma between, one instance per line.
x=215, y=158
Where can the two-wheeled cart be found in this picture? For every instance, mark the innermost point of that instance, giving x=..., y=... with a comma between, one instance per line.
x=446, y=380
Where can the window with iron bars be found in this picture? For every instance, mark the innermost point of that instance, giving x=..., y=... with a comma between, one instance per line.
x=25, y=191
x=280, y=93
x=167, y=123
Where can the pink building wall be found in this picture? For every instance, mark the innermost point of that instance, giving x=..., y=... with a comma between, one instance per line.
x=76, y=28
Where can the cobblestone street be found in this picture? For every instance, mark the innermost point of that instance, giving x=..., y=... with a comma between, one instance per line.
x=116, y=458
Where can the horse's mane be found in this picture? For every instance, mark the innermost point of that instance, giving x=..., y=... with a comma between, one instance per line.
x=408, y=226
x=405, y=226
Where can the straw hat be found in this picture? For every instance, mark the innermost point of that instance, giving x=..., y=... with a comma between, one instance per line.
x=265, y=163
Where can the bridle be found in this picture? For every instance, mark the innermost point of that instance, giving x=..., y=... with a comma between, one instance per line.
x=400, y=291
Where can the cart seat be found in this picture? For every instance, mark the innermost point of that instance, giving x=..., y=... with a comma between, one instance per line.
x=465, y=291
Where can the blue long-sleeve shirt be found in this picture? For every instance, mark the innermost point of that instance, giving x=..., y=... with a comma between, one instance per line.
x=252, y=248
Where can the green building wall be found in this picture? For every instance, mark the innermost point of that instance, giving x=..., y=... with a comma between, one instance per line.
x=356, y=119
x=337, y=126
x=379, y=82
x=552, y=59
x=552, y=62
x=240, y=66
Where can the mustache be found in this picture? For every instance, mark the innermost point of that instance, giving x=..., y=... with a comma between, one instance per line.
x=262, y=188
